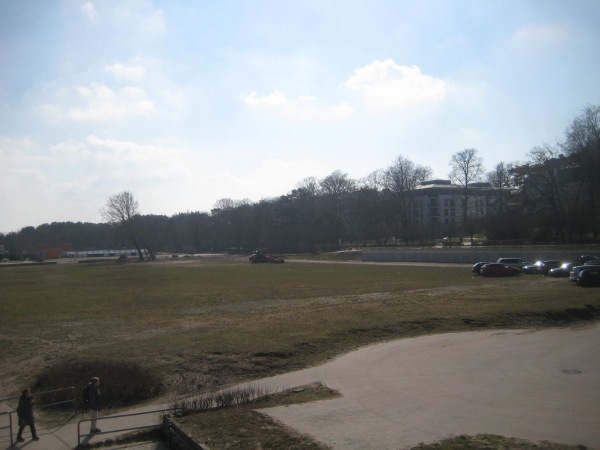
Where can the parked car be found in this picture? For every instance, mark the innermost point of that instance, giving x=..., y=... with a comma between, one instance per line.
x=574, y=273
x=585, y=258
x=513, y=262
x=261, y=257
x=498, y=270
x=589, y=277
x=576, y=270
x=542, y=267
x=563, y=271
x=477, y=266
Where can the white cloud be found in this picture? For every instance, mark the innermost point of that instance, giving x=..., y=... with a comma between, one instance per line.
x=103, y=103
x=89, y=11
x=541, y=35
x=386, y=86
x=268, y=178
x=124, y=159
x=155, y=23
x=17, y=157
x=125, y=71
x=303, y=107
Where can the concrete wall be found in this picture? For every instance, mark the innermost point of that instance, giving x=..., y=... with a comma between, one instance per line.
x=468, y=255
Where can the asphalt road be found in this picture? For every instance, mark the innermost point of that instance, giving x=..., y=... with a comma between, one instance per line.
x=536, y=385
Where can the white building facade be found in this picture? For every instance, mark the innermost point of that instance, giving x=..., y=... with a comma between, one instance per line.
x=442, y=204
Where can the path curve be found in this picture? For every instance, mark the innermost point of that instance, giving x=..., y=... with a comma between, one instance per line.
x=536, y=385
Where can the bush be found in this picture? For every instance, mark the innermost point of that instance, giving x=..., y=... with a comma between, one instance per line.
x=224, y=398
x=122, y=383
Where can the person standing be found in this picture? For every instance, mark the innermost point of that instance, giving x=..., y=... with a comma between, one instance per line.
x=25, y=413
x=93, y=402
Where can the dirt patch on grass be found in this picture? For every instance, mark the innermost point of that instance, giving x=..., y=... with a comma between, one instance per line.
x=493, y=442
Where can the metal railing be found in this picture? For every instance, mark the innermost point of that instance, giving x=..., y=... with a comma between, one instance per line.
x=9, y=426
x=38, y=405
x=43, y=405
x=140, y=427
x=61, y=402
x=177, y=438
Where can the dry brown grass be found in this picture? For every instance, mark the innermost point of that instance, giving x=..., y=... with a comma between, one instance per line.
x=202, y=323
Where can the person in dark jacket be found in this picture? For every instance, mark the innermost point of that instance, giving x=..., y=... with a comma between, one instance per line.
x=25, y=413
x=93, y=402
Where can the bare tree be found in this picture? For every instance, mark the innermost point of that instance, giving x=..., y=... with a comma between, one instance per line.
x=583, y=147
x=337, y=189
x=545, y=178
x=401, y=179
x=309, y=186
x=404, y=175
x=121, y=210
x=502, y=178
x=375, y=180
x=466, y=169
x=337, y=184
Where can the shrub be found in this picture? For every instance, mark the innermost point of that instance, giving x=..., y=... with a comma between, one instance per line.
x=223, y=398
x=122, y=383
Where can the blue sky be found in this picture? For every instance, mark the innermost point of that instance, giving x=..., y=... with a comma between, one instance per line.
x=185, y=103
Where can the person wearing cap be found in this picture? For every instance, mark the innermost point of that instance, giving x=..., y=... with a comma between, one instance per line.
x=93, y=402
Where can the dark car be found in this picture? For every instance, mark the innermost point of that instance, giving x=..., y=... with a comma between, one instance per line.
x=563, y=271
x=498, y=270
x=542, y=267
x=262, y=257
x=589, y=277
x=575, y=271
x=513, y=262
x=586, y=258
x=477, y=266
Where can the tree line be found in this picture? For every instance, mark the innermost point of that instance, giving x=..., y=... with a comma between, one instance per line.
x=554, y=197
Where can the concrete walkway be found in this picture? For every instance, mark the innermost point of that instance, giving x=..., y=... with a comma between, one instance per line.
x=64, y=436
x=536, y=385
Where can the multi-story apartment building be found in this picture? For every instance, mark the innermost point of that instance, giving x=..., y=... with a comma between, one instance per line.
x=439, y=202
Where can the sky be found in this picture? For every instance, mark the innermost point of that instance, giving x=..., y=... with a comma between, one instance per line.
x=185, y=103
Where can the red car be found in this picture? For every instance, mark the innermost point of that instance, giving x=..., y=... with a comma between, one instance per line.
x=498, y=270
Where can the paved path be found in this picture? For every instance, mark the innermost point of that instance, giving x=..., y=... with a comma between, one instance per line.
x=64, y=436
x=537, y=385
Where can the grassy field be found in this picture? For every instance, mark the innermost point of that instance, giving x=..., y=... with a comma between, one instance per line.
x=204, y=322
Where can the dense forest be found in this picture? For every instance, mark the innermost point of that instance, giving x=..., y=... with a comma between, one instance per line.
x=555, y=197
